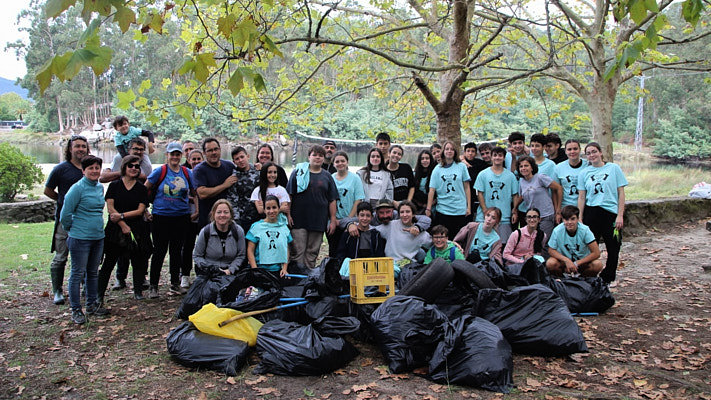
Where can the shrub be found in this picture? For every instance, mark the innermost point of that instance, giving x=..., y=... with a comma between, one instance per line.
x=18, y=172
x=680, y=138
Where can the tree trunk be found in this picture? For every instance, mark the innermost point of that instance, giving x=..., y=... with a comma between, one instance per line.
x=59, y=117
x=449, y=126
x=600, y=104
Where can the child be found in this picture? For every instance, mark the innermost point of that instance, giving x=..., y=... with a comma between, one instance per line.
x=442, y=248
x=125, y=132
x=268, y=240
x=268, y=176
x=572, y=247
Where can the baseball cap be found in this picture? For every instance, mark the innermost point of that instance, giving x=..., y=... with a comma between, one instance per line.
x=173, y=146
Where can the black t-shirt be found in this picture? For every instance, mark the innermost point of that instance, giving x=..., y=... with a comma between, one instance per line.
x=560, y=157
x=309, y=209
x=207, y=176
x=62, y=177
x=403, y=179
x=476, y=166
x=127, y=200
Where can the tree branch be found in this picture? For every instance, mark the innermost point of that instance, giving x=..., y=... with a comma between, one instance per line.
x=425, y=90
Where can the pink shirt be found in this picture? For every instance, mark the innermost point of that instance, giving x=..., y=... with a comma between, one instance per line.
x=514, y=253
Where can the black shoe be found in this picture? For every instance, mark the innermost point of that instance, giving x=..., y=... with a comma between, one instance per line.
x=96, y=309
x=138, y=296
x=145, y=286
x=59, y=297
x=119, y=284
x=78, y=317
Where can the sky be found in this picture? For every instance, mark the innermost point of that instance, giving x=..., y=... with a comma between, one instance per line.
x=10, y=67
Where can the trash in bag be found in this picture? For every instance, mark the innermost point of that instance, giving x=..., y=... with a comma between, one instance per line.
x=326, y=280
x=363, y=312
x=288, y=348
x=326, y=306
x=407, y=331
x=701, y=190
x=408, y=273
x=430, y=281
x=212, y=288
x=583, y=294
x=534, y=271
x=194, y=349
x=454, y=301
x=500, y=277
x=209, y=316
x=533, y=319
x=473, y=353
x=336, y=326
x=257, y=289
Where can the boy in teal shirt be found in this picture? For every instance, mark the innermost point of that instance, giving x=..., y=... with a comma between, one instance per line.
x=572, y=247
x=442, y=248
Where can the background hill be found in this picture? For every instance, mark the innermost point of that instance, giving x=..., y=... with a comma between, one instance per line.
x=7, y=85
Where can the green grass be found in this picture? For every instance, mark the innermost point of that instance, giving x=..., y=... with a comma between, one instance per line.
x=673, y=180
x=32, y=240
x=25, y=136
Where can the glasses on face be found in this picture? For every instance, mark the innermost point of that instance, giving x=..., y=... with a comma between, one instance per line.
x=532, y=217
x=134, y=166
x=439, y=237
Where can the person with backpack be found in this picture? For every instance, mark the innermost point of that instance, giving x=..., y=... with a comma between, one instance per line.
x=169, y=186
x=441, y=247
x=525, y=242
x=221, y=243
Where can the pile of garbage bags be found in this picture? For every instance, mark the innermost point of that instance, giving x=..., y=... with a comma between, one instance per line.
x=460, y=321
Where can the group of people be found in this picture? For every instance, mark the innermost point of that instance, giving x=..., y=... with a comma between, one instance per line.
x=223, y=215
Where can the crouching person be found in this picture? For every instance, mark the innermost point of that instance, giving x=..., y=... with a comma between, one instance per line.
x=572, y=247
x=441, y=247
x=220, y=244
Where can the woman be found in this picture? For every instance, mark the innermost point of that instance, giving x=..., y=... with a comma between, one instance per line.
x=220, y=244
x=376, y=180
x=265, y=154
x=567, y=172
x=350, y=195
x=82, y=218
x=171, y=217
x=401, y=175
x=480, y=240
x=449, y=182
x=533, y=190
x=601, y=200
x=525, y=242
x=126, y=231
x=403, y=238
x=195, y=157
x=268, y=186
x=423, y=170
x=268, y=240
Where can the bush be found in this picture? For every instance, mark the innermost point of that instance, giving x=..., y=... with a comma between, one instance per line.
x=18, y=172
x=680, y=138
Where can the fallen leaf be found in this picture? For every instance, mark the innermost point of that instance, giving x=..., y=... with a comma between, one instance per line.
x=20, y=389
x=202, y=396
x=268, y=391
x=256, y=381
x=231, y=380
x=639, y=382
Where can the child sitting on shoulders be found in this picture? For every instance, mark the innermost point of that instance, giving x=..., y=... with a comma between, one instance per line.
x=442, y=248
x=125, y=132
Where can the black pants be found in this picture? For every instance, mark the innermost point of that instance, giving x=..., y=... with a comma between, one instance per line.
x=453, y=223
x=602, y=224
x=111, y=255
x=333, y=242
x=122, y=267
x=168, y=234
x=188, y=245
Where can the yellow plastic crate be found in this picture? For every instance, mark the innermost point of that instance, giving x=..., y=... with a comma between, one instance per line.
x=371, y=272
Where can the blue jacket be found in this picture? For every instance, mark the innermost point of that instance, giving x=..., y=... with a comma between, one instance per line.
x=82, y=214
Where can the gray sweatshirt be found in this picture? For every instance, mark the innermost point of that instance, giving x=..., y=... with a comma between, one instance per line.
x=210, y=252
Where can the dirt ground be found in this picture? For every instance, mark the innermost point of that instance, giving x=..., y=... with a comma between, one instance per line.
x=654, y=343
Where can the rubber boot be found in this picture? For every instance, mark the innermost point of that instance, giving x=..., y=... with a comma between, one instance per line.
x=57, y=275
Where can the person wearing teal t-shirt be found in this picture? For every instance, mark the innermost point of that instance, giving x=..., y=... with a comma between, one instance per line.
x=601, y=200
x=497, y=187
x=441, y=247
x=450, y=182
x=567, y=172
x=268, y=240
x=572, y=247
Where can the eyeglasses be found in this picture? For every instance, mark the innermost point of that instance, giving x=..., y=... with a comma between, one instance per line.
x=439, y=237
x=134, y=166
x=532, y=217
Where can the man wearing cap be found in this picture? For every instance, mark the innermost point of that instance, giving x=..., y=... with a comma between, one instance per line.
x=212, y=178
x=384, y=213
x=330, y=147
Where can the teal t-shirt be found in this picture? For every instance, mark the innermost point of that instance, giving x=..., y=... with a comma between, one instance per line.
x=567, y=177
x=573, y=247
x=272, y=244
x=600, y=185
x=484, y=241
x=448, y=182
x=349, y=189
x=498, y=192
x=120, y=139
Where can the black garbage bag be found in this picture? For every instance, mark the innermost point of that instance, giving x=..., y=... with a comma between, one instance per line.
x=336, y=326
x=288, y=348
x=269, y=290
x=326, y=280
x=194, y=349
x=212, y=288
x=454, y=301
x=473, y=353
x=533, y=319
x=408, y=273
x=326, y=306
x=363, y=313
x=430, y=281
x=534, y=271
x=583, y=294
x=407, y=331
x=499, y=276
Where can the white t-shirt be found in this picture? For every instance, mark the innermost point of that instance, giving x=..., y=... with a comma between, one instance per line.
x=278, y=191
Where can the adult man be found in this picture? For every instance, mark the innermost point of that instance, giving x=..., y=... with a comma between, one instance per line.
x=239, y=194
x=518, y=149
x=382, y=142
x=572, y=247
x=553, y=149
x=330, y=147
x=62, y=177
x=136, y=147
x=496, y=186
x=384, y=213
x=474, y=167
x=188, y=147
x=212, y=178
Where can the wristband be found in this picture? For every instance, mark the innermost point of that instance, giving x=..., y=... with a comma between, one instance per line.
x=122, y=216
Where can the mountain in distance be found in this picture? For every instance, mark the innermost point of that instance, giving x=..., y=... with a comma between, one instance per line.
x=7, y=85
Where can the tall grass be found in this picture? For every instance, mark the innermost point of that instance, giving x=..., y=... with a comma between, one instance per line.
x=663, y=181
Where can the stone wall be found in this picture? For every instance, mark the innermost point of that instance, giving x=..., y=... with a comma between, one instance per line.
x=28, y=211
x=643, y=215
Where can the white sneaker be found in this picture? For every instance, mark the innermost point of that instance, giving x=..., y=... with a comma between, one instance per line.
x=185, y=282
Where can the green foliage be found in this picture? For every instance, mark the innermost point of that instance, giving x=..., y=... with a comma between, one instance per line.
x=681, y=138
x=18, y=172
x=14, y=107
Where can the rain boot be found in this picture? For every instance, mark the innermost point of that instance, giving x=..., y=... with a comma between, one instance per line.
x=57, y=275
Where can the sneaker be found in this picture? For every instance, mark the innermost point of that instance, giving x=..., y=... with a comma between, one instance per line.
x=177, y=289
x=153, y=293
x=138, y=296
x=78, y=317
x=185, y=282
x=96, y=309
x=118, y=285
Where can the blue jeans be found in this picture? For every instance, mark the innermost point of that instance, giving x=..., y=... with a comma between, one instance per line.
x=86, y=257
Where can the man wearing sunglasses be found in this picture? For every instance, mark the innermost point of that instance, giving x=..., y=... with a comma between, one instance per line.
x=136, y=147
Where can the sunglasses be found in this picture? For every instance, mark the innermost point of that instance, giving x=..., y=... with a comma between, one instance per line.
x=134, y=166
